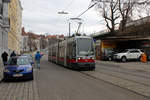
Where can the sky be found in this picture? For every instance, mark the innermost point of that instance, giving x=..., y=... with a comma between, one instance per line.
x=41, y=16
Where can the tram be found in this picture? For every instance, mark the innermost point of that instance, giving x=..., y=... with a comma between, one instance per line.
x=75, y=52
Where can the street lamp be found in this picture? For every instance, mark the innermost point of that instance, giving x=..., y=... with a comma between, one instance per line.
x=77, y=19
x=63, y=12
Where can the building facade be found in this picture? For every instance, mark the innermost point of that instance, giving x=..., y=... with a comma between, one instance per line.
x=4, y=25
x=136, y=35
x=30, y=41
x=24, y=41
x=14, y=35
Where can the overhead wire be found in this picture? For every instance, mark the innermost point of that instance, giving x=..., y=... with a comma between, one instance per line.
x=69, y=4
x=105, y=2
x=89, y=7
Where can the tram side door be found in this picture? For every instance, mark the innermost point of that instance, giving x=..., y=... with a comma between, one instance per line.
x=65, y=53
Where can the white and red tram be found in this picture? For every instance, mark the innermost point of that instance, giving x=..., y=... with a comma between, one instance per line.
x=75, y=52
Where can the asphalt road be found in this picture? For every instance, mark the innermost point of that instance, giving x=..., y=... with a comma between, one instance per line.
x=58, y=83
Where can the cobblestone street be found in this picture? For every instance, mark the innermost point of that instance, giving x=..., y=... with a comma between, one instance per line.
x=1, y=75
x=26, y=90
x=18, y=90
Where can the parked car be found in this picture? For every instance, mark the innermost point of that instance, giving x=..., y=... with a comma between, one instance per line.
x=30, y=58
x=18, y=68
x=108, y=54
x=128, y=54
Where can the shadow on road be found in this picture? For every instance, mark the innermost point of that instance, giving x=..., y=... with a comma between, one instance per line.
x=15, y=80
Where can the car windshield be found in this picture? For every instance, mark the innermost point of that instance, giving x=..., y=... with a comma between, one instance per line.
x=109, y=51
x=18, y=61
x=27, y=55
x=125, y=51
x=85, y=47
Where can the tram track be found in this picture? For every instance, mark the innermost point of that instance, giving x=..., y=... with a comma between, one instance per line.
x=136, y=87
x=130, y=80
x=138, y=73
x=126, y=74
x=124, y=78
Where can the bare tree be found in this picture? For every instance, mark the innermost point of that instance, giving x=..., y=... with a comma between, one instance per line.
x=32, y=41
x=142, y=7
x=109, y=10
x=114, y=11
x=125, y=9
x=43, y=42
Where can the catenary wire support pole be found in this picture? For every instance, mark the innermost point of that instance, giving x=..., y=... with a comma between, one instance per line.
x=69, y=29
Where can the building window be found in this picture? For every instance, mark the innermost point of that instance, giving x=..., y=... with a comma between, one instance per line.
x=1, y=9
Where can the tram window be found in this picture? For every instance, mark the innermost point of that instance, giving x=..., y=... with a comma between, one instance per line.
x=74, y=50
x=85, y=47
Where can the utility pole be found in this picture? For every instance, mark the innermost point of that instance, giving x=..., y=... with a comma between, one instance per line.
x=69, y=28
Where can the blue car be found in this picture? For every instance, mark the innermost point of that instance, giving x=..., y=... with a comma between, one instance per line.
x=29, y=57
x=18, y=68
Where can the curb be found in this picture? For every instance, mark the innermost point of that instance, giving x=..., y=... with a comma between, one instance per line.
x=1, y=71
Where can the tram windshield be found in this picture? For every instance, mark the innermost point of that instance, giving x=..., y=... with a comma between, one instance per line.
x=85, y=47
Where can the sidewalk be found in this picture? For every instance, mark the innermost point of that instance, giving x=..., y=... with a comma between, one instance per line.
x=1, y=71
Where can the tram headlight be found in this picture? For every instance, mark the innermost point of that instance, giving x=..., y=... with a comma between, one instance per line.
x=79, y=58
x=92, y=58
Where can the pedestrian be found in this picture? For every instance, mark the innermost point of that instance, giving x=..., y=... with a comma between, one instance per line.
x=13, y=54
x=4, y=57
x=37, y=59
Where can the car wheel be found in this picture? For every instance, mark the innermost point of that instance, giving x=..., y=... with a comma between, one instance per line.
x=139, y=59
x=109, y=58
x=5, y=79
x=123, y=59
x=32, y=77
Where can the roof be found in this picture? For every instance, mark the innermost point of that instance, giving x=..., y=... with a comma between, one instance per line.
x=55, y=36
x=82, y=37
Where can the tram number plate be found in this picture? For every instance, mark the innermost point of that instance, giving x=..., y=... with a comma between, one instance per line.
x=17, y=75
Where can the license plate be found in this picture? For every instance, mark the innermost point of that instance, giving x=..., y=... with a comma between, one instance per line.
x=17, y=75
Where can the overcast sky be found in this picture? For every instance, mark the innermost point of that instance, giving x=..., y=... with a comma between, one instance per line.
x=41, y=16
